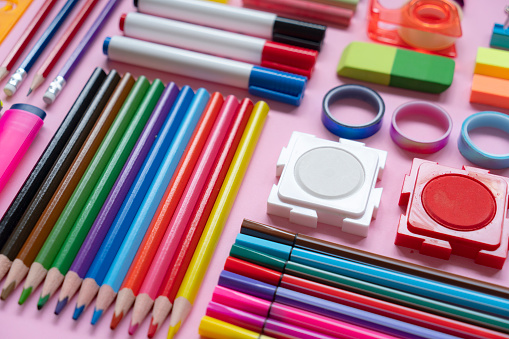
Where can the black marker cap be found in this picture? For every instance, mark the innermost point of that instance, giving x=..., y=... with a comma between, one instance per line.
x=298, y=33
x=135, y=3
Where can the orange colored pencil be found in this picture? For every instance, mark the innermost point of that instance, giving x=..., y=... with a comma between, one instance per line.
x=167, y=206
x=185, y=250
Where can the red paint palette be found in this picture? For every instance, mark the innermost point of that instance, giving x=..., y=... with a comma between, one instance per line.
x=452, y=211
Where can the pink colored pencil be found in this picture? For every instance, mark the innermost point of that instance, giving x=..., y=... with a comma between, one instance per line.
x=290, y=315
x=180, y=219
x=25, y=38
x=62, y=44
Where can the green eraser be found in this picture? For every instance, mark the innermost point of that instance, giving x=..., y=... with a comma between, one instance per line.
x=492, y=62
x=387, y=65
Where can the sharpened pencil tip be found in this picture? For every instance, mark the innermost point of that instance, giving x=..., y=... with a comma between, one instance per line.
x=97, y=315
x=60, y=305
x=6, y=292
x=29, y=92
x=42, y=301
x=133, y=329
x=77, y=312
x=24, y=295
x=116, y=320
x=173, y=330
x=152, y=329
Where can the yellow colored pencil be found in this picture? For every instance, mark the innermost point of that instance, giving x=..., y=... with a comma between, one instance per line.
x=218, y=216
x=217, y=329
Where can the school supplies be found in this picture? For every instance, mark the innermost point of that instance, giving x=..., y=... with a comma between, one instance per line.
x=26, y=65
x=238, y=19
x=12, y=233
x=25, y=37
x=65, y=72
x=10, y=14
x=18, y=128
x=208, y=241
x=203, y=39
x=285, y=87
x=396, y=67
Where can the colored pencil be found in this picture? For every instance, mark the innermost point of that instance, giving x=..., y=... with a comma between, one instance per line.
x=187, y=246
x=261, y=324
x=326, y=308
x=59, y=82
x=291, y=315
x=125, y=255
x=11, y=235
x=177, y=221
x=217, y=329
x=59, y=49
x=88, y=141
x=372, y=290
x=177, y=105
x=115, y=199
x=81, y=227
x=208, y=241
x=410, y=315
x=25, y=37
x=322, y=246
x=83, y=189
x=36, y=51
x=167, y=206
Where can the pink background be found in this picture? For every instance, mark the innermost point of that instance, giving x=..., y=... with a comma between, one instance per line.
x=479, y=16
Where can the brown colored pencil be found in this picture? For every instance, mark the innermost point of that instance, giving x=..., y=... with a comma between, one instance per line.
x=50, y=215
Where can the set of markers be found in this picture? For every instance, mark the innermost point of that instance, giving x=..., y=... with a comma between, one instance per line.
x=278, y=284
x=271, y=56
x=132, y=178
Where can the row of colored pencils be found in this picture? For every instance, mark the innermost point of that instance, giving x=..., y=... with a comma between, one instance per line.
x=129, y=197
x=278, y=284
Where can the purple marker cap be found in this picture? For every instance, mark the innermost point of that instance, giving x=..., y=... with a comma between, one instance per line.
x=246, y=285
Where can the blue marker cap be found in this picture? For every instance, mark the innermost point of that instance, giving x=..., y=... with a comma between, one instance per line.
x=106, y=44
x=276, y=85
x=265, y=246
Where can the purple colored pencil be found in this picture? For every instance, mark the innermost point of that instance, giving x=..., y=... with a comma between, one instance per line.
x=58, y=84
x=327, y=308
x=112, y=205
x=256, y=323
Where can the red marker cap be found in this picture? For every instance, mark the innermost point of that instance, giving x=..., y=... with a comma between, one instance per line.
x=288, y=58
x=122, y=21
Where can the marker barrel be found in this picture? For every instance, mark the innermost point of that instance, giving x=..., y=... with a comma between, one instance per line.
x=18, y=127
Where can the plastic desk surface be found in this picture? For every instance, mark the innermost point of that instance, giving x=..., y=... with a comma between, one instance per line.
x=27, y=322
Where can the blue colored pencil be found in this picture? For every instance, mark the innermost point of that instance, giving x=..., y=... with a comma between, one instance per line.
x=132, y=241
x=105, y=218
x=29, y=61
x=58, y=84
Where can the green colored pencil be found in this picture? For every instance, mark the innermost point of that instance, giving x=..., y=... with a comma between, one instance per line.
x=79, y=231
x=87, y=183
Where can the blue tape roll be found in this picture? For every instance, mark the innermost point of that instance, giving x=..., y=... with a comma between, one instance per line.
x=358, y=92
x=473, y=153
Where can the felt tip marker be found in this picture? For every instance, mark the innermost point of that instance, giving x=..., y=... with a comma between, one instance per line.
x=264, y=82
x=238, y=19
x=213, y=41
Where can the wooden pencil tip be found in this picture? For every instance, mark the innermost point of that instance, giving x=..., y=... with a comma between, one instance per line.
x=6, y=291
x=133, y=328
x=152, y=329
x=29, y=92
x=24, y=295
x=78, y=311
x=116, y=320
x=42, y=301
x=60, y=305
x=97, y=315
x=173, y=330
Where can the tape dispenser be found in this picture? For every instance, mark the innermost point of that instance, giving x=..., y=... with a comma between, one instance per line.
x=430, y=26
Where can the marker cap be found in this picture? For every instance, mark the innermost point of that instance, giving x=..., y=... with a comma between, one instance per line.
x=246, y=285
x=289, y=58
x=281, y=86
x=298, y=33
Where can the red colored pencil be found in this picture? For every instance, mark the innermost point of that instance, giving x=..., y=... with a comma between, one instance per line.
x=167, y=206
x=185, y=251
x=62, y=44
x=178, y=220
x=384, y=308
x=25, y=38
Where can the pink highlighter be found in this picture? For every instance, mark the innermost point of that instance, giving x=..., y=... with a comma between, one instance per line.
x=18, y=127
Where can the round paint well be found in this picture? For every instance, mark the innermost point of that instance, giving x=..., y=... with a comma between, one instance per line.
x=459, y=202
x=328, y=172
